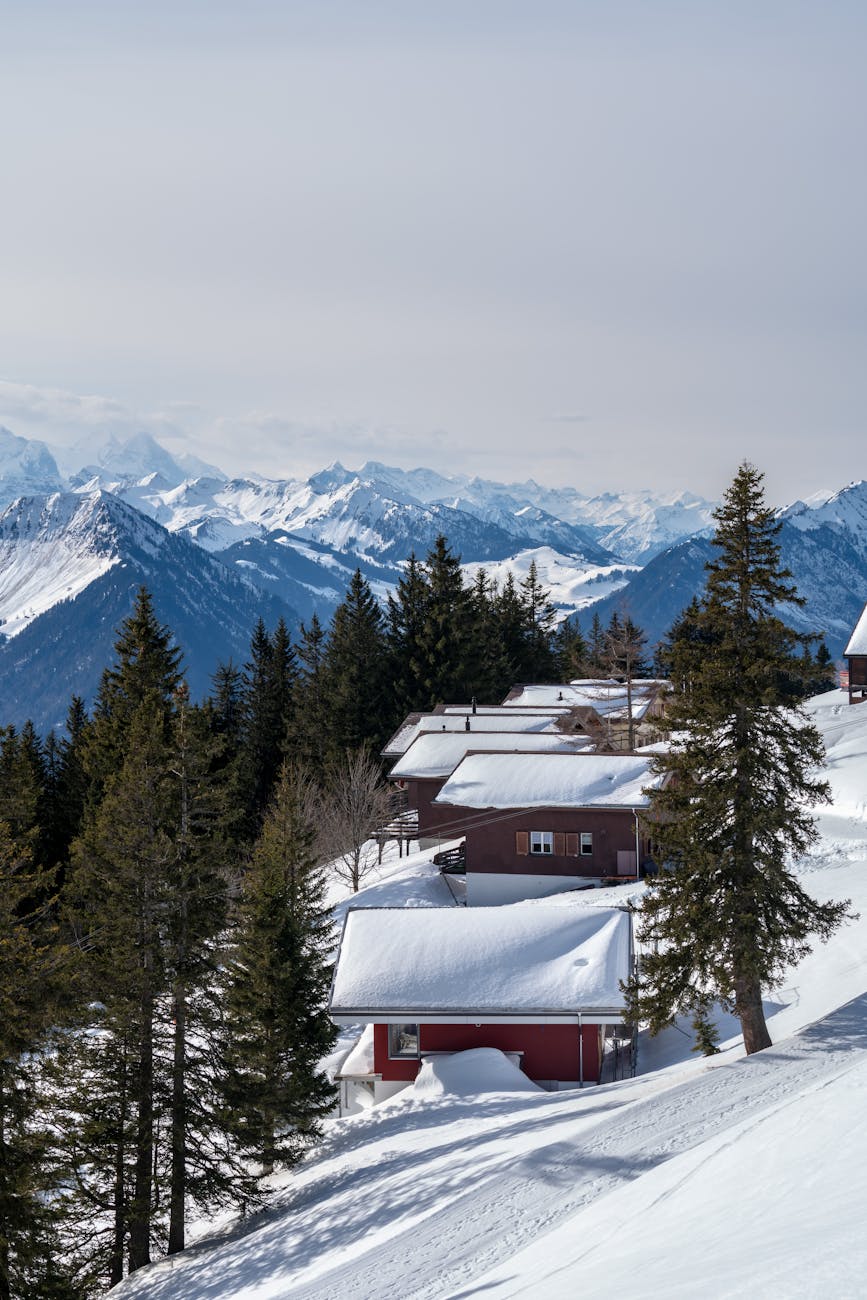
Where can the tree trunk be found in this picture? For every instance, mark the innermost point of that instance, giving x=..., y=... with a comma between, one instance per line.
x=115, y=1262
x=140, y=1211
x=179, y=1124
x=748, y=1009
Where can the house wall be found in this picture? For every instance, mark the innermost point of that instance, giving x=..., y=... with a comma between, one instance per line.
x=550, y=1052
x=495, y=847
x=858, y=670
x=437, y=821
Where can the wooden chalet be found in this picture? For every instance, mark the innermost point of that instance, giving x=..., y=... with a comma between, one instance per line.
x=539, y=824
x=856, y=657
x=542, y=984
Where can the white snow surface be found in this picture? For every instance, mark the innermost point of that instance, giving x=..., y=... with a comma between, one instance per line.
x=572, y=584
x=579, y=780
x=720, y=1177
x=607, y=698
x=485, y=960
x=858, y=640
x=437, y=753
x=472, y=1073
x=51, y=549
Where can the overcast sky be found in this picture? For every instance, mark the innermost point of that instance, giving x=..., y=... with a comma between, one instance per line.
x=606, y=244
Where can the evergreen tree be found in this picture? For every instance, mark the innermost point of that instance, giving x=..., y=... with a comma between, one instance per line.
x=307, y=742
x=493, y=673
x=729, y=918
x=355, y=672
x=540, y=621
x=511, y=627
x=147, y=666
x=407, y=614
x=277, y=990
x=120, y=891
x=570, y=648
x=33, y=971
x=448, y=669
x=262, y=725
x=227, y=702
x=596, y=642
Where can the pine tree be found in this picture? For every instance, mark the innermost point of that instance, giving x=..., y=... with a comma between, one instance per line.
x=597, y=647
x=355, y=672
x=277, y=988
x=120, y=891
x=729, y=917
x=448, y=667
x=407, y=613
x=34, y=969
x=540, y=621
x=570, y=648
x=307, y=741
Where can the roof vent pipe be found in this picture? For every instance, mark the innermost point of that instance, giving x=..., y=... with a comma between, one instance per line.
x=467, y=723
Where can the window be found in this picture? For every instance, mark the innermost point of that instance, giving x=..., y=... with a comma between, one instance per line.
x=402, y=1041
x=541, y=841
x=587, y=844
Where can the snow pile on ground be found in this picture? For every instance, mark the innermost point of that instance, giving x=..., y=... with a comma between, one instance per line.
x=473, y=1073
x=725, y=1177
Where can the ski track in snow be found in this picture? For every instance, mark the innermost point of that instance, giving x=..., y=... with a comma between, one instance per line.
x=548, y=1185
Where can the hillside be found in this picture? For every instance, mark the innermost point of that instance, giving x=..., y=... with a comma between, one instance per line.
x=750, y=1171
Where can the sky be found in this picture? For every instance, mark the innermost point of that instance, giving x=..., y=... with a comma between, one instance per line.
x=601, y=243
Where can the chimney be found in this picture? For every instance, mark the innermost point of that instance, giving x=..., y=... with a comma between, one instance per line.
x=467, y=723
x=474, y=704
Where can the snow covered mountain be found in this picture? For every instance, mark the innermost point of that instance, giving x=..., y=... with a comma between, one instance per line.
x=826, y=558
x=70, y=565
x=25, y=466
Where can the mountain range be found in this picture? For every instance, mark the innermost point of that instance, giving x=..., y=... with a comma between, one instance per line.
x=217, y=552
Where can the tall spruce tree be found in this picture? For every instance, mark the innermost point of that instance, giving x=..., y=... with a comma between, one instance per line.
x=729, y=918
x=35, y=978
x=307, y=739
x=355, y=672
x=448, y=670
x=407, y=612
x=277, y=987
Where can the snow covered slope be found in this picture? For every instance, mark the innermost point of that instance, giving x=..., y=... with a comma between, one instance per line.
x=26, y=467
x=51, y=548
x=69, y=568
x=722, y=1177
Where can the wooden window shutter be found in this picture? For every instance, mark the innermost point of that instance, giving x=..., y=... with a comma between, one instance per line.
x=572, y=843
x=559, y=844
x=522, y=843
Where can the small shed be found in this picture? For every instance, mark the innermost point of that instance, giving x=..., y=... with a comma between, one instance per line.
x=542, y=982
x=856, y=655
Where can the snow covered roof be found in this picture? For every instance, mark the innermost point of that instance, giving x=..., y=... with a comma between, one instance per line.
x=579, y=780
x=608, y=697
x=502, y=720
x=858, y=640
x=525, y=961
x=437, y=753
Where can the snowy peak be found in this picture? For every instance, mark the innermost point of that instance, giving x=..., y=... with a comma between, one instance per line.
x=26, y=467
x=844, y=512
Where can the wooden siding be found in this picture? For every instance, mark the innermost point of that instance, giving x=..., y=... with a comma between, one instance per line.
x=549, y=1051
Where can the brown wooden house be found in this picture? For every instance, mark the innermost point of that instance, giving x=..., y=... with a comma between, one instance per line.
x=856, y=655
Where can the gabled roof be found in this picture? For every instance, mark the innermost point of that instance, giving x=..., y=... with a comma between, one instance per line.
x=501, y=719
x=436, y=754
x=608, y=698
x=858, y=640
x=524, y=961
x=579, y=780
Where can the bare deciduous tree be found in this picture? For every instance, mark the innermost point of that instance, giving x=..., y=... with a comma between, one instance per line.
x=355, y=803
